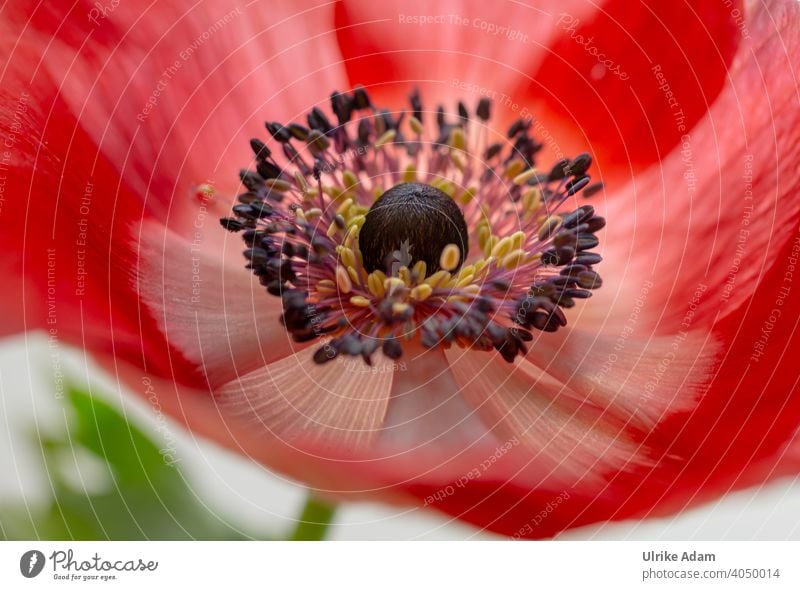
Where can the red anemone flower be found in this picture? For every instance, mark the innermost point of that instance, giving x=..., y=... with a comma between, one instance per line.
x=417, y=315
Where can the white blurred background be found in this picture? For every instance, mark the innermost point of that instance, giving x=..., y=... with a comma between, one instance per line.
x=246, y=494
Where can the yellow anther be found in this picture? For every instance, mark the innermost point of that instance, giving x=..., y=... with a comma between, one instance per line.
x=489, y=245
x=353, y=274
x=410, y=173
x=387, y=137
x=277, y=185
x=359, y=301
x=334, y=192
x=393, y=284
x=484, y=233
x=404, y=275
x=465, y=280
x=483, y=264
x=326, y=286
x=350, y=179
x=517, y=239
x=502, y=248
x=344, y=207
x=457, y=139
x=206, y=191
x=356, y=221
x=513, y=258
x=332, y=229
x=458, y=160
x=301, y=182
x=400, y=308
x=419, y=270
x=416, y=125
x=467, y=270
x=343, y=280
x=524, y=177
x=467, y=196
x=531, y=199
x=445, y=186
x=421, y=292
x=514, y=167
x=300, y=214
x=375, y=284
x=313, y=213
x=550, y=225
x=451, y=255
x=437, y=278
x=350, y=238
x=347, y=256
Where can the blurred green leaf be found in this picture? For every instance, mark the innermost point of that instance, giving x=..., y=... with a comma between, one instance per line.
x=141, y=495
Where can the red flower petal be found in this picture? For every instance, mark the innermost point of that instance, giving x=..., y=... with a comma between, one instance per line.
x=63, y=208
x=632, y=78
x=214, y=313
x=709, y=224
x=297, y=400
x=544, y=60
x=453, y=51
x=140, y=107
x=427, y=409
x=567, y=438
x=167, y=93
x=743, y=428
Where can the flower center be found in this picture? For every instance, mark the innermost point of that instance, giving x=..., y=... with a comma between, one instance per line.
x=363, y=228
x=412, y=222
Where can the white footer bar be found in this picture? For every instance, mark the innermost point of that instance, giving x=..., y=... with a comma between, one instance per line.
x=400, y=565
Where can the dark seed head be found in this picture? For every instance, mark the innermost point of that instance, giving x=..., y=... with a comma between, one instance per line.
x=592, y=189
x=463, y=113
x=361, y=98
x=484, y=109
x=573, y=186
x=317, y=120
x=416, y=104
x=326, y=353
x=259, y=148
x=588, y=258
x=493, y=150
x=298, y=131
x=517, y=127
x=589, y=280
x=392, y=348
x=278, y=131
x=411, y=222
x=232, y=225
x=559, y=170
x=364, y=130
x=267, y=169
x=580, y=164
